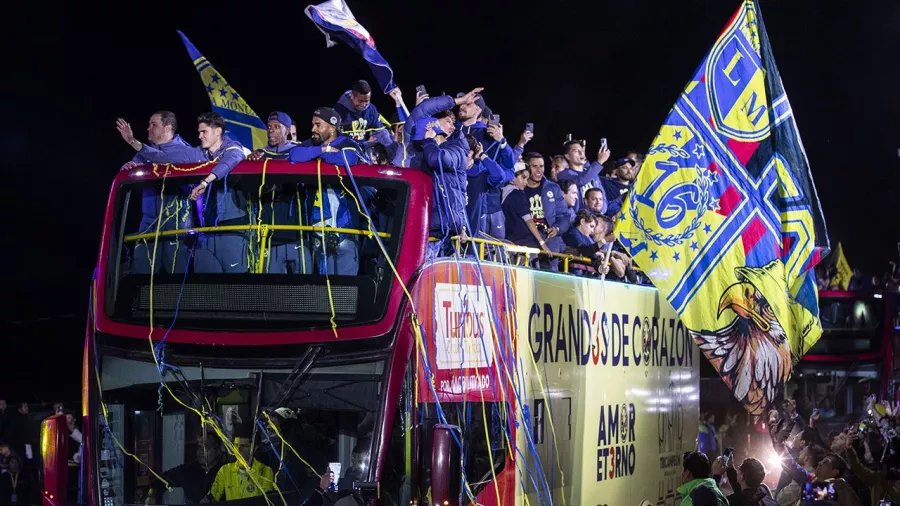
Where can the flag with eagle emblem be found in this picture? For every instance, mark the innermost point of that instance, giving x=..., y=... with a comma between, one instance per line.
x=725, y=220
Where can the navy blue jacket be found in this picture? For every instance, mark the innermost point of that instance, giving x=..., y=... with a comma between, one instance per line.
x=359, y=124
x=176, y=151
x=614, y=192
x=280, y=152
x=499, y=151
x=447, y=163
x=306, y=151
x=483, y=178
x=586, y=179
x=412, y=155
x=228, y=205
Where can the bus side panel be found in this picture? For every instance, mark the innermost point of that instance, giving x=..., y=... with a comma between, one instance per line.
x=602, y=377
x=613, y=390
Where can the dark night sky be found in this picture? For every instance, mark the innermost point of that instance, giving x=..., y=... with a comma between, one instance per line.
x=594, y=68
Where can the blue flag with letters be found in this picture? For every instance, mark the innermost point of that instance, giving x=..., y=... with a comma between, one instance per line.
x=241, y=122
x=334, y=19
x=724, y=217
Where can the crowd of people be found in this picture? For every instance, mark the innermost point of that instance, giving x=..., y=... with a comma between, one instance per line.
x=887, y=281
x=20, y=457
x=856, y=463
x=485, y=186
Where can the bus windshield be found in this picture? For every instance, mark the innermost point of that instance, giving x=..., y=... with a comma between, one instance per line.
x=261, y=252
x=325, y=414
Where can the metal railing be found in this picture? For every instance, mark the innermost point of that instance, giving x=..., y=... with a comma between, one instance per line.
x=263, y=236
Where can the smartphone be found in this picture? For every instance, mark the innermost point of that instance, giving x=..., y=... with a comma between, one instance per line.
x=729, y=452
x=818, y=491
x=420, y=90
x=862, y=427
x=529, y=127
x=495, y=119
x=603, y=144
x=336, y=469
x=815, y=411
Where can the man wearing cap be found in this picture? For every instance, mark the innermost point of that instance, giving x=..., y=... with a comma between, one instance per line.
x=474, y=120
x=616, y=187
x=333, y=253
x=278, y=128
x=287, y=252
x=359, y=118
x=327, y=142
x=234, y=482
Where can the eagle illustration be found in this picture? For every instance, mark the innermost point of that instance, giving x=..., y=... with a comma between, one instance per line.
x=752, y=352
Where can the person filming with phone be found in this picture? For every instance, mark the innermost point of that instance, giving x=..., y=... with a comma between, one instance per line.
x=746, y=480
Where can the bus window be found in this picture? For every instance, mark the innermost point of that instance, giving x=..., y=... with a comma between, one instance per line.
x=242, y=259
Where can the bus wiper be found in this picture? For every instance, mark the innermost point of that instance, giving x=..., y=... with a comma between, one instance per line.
x=293, y=380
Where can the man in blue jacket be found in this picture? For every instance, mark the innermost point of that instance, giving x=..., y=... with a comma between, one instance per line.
x=412, y=155
x=548, y=209
x=446, y=152
x=287, y=251
x=617, y=186
x=219, y=251
x=483, y=177
x=176, y=209
x=586, y=175
x=278, y=146
x=333, y=253
x=359, y=118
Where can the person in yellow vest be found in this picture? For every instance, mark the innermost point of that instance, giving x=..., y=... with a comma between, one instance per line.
x=234, y=482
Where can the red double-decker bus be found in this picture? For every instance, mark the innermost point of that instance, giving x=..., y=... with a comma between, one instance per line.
x=853, y=359
x=452, y=380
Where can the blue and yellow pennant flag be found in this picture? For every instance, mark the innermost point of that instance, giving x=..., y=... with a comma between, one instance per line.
x=242, y=123
x=725, y=220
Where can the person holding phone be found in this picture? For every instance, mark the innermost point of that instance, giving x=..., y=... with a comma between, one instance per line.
x=586, y=175
x=746, y=480
x=882, y=483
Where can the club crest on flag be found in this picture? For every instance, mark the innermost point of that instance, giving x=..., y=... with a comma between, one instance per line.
x=724, y=218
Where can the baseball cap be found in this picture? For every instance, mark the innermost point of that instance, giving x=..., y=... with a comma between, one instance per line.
x=622, y=161
x=280, y=117
x=328, y=115
x=479, y=100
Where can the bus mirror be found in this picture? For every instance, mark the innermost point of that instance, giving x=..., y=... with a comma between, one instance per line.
x=55, y=454
x=445, y=465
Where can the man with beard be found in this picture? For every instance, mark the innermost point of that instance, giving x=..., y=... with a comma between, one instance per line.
x=616, y=187
x=333, y=253
x=326, y=142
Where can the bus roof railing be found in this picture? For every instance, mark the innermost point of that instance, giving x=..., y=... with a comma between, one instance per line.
x=482, y=244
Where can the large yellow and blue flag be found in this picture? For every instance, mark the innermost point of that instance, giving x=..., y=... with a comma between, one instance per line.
x=725, y=220
x=334, y=19
x=241, y=122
